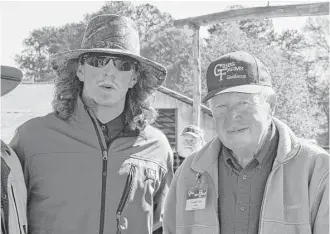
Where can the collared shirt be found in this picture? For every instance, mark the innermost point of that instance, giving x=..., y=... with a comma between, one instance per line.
x=116, y=128
x=178, y=160
x=241, y=189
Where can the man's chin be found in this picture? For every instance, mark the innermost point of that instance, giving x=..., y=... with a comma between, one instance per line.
x=189, y=149
x=238, y=145
x=105, y=102
x=186, y=152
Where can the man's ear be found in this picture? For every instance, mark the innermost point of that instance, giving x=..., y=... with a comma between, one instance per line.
x=80, y=72
x=134, y=80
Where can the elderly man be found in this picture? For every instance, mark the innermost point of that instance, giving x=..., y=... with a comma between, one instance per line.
x=95, y=165
x=13, y=189
x=256, y=176
x=192, y=139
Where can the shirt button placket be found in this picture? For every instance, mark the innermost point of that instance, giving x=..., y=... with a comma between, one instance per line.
x=242, y=208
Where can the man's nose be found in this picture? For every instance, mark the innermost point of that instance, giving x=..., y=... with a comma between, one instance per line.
x=236, y=115
x=109, y=68
x=232, y=115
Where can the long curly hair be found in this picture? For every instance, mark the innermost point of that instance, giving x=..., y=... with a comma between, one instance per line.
x=138, y=111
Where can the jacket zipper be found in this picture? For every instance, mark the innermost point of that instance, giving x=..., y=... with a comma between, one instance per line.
x=129, y=182
x=104, y=170
x=19, y=223
x=126, y=193
x=104, y=188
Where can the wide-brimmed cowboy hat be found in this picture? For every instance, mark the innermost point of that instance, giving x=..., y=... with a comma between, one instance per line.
x=113, y=34
x=10, y=78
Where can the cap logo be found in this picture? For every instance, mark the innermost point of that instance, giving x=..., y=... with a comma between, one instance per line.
x=238, y=71
x=221, y=70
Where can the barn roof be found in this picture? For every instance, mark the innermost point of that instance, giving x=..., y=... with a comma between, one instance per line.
x=182, y=98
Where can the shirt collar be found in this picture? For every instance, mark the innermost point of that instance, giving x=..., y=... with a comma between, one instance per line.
x=117, y=126
x=230, y=160
x=269, y=145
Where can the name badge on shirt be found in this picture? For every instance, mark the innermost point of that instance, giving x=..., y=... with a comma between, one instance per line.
x=196, y=199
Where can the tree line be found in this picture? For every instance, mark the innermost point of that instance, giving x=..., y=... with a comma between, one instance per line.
x=298, y=60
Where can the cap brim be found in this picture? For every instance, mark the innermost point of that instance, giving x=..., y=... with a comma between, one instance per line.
x=236, y=89
x=10, y=78
x=155, y=69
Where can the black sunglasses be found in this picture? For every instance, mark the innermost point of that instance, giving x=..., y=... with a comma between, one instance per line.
x=100, y=60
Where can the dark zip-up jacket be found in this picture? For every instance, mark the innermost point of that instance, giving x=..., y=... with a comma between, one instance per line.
x=76, y=184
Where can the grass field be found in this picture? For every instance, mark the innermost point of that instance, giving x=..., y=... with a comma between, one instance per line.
x=25, y=102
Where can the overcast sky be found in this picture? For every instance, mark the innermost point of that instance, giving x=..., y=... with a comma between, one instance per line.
x=18, y=19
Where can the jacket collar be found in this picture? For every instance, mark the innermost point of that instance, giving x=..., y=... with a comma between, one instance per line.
x=206, y=158
x=80, y=112
x=288, y=144
x=82, y=116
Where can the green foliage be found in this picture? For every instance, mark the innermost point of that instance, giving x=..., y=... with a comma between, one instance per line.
x=258, y=29
x=43, y=43
x=309, y=49
x=292, y=44
x=34, y=59
x=317, y=39
x=294, y=105
x=298, y=62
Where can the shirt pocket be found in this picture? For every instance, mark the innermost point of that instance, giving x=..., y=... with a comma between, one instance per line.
x=277, y=227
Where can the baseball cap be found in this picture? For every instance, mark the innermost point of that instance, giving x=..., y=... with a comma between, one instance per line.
x=10, y=78
x=193, y=130
x=238, y=71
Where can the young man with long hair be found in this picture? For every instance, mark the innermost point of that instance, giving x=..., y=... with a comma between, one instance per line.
x=95, y=165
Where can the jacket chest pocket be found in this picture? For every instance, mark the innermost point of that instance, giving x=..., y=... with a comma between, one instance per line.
x=273, y=227
x=145, y=180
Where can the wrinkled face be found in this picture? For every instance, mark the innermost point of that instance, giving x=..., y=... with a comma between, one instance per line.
x=106, y=78
x=241, y=119
x=190, y=144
